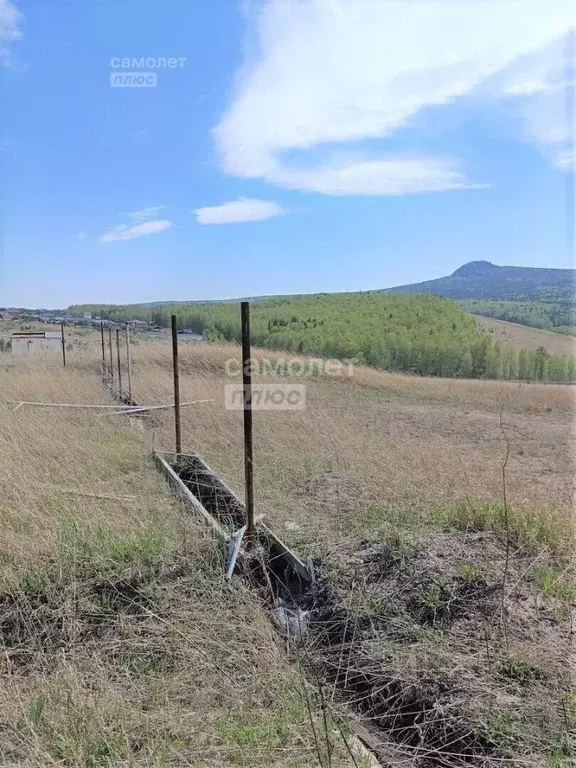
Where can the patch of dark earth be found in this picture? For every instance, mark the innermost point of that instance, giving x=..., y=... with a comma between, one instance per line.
x=42, y=623
x=214, y=497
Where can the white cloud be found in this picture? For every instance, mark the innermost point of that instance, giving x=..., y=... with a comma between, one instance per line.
x=146, y=213
x=10, y=19
x=142, y=224
x=566, y=159
x=539, y=72
x=138, y=230
x=373, y=175
x=324, y=76
x=238, y=211
x=540, y=86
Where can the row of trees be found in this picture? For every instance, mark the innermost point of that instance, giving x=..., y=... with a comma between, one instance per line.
x=419, y=333
x=537, y=314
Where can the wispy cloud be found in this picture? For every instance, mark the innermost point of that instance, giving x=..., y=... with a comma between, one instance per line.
x=376, y=175
x=323, y=78
x=142, y=224
x=237, y=211
x=10, y=20
x=146, y=213
x=540, y=88
x=566, y=159
x=138, y=230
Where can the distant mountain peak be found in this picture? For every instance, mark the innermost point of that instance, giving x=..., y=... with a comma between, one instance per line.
x=472, y=268
x=484, y=280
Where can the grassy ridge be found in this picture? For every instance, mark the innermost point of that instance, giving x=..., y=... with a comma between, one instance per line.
x=422, y=334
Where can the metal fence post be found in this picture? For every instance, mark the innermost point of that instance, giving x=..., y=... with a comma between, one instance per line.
x=247, y=397
x=129, y=363
x=103, y=349
x=118, y=356
x=63, y=344
x=110, y=350
x=176, y=386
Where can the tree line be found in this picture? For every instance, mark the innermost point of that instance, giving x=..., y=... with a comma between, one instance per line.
x=550, y=315
x=418, y=333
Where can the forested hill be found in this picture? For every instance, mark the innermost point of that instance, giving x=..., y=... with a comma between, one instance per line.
x=541, y=298
x=426, y=335
x=484, y=280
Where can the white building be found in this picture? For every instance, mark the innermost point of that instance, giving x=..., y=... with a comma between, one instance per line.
x=30, y=341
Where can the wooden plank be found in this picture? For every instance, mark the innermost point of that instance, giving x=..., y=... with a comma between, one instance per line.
x=146, y=408
x=20, y=403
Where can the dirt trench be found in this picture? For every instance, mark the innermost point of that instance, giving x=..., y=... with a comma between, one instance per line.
x=330, y=641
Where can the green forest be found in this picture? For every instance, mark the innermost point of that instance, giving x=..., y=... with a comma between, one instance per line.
x=559, y=316
x=422, y=334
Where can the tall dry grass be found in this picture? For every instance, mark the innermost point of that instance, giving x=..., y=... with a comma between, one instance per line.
x=122, y=642
x=184, y=669
x=372, y=440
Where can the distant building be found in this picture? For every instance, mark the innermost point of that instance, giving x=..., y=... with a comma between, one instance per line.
x=30, y=341
x=87, y=315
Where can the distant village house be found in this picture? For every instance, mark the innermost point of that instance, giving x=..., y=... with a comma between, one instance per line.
x=31, y=341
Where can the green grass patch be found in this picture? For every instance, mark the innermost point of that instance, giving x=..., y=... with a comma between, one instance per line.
x=532, y=529
x=252, y=742
x=97, y=547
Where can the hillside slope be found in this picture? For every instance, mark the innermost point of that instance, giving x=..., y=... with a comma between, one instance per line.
x=524, y=337
x=484, y=280
x=426, y=335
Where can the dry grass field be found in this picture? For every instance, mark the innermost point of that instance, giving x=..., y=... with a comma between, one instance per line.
x=522, y=336
x=441, y=511
x=373, y=439
x=122, y=645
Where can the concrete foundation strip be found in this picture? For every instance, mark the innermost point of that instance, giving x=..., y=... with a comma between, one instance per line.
x=296, y=563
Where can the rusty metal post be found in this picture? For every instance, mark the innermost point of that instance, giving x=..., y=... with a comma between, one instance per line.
x=247, y=399
x=63, y=344
x=118, y=356
x=129, y=363
x=103, y=349
x=110, y=350
x=176, y=386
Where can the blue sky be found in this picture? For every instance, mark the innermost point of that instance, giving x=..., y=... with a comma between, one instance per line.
x=293, y=145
